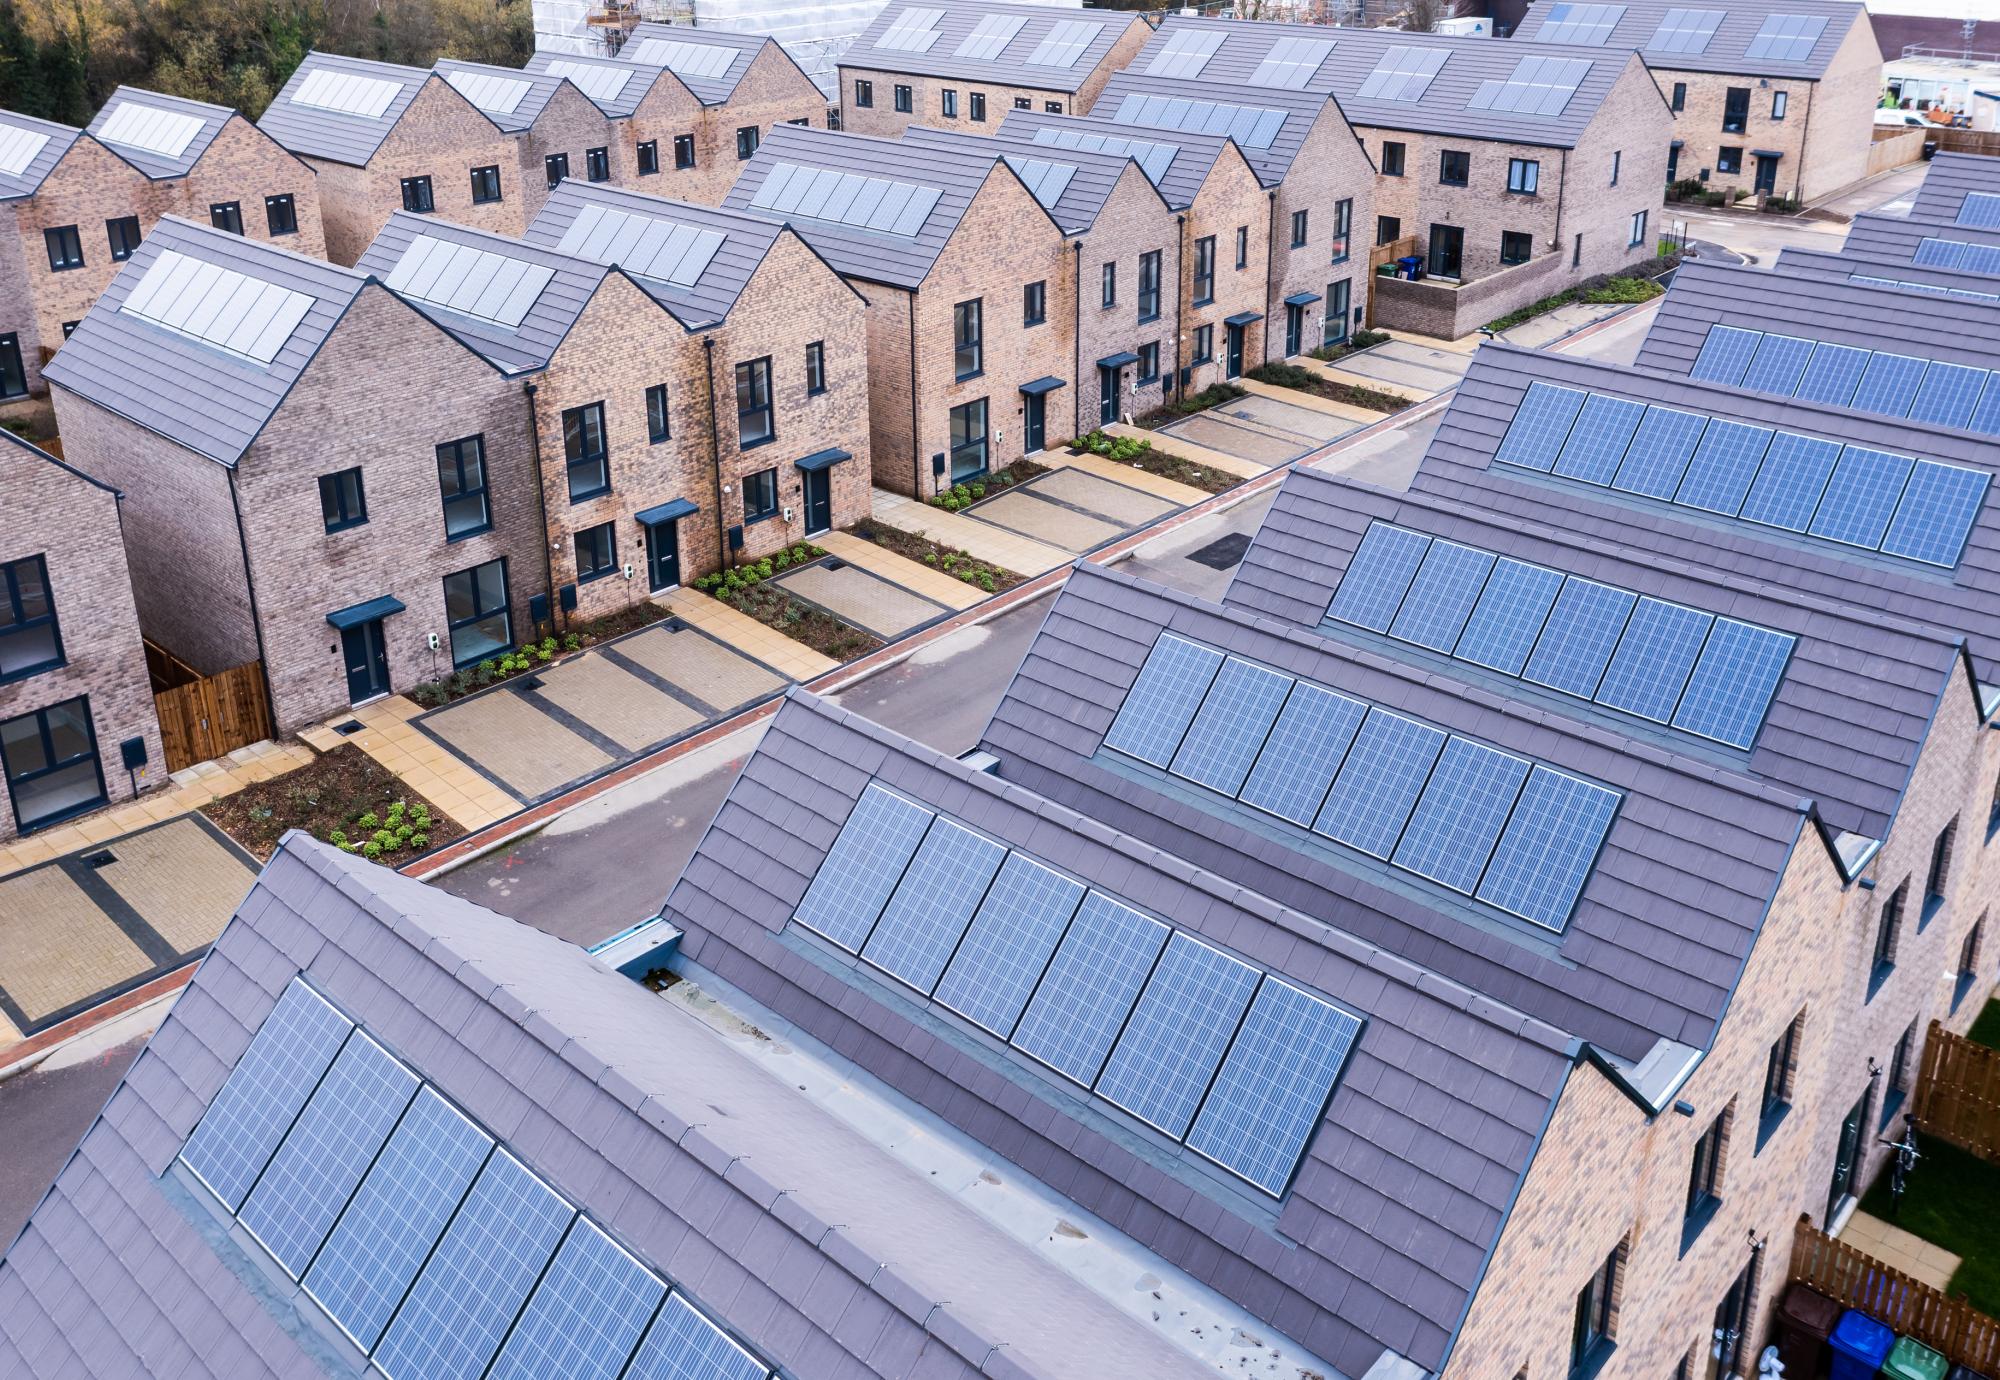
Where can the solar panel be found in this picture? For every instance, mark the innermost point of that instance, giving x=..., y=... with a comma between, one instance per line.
x=643, y=244
x=1861, y=497
x=1163, y=700
x=1725, y=354
x=149, y=128
x=1937, y=512
x=1292, y=63
x=1379, y=782
x=1577, y=641
x=708, y=61
x=1251, y=126
x=1273, y=1087
x=586, y=1315
x=396, y=1216
x=1549, y=847
x=1889, y=384
x=1153, y=159
x=1009, y=943
x=1986, y=416
x=1654, y=659
x=1303, y=753
x=598, y=81
x=1379, y=575
x=346, y=93
x=933, y=904
x=1948, y=395
x=990, y=36
x=19, y=147
x=1599, y=439
x=1929, y=289
x=1459, y=818
x=1508, y=619
x=464, y=278
x=496, y=95
x=1980, y=210
x=1789, y=484
x=1403, y=73
x=1959, y=255
x=1590, y=24
x=1442, y=596
x=329, y=1148
x=869, y=203
x=1067, y=41
x=1185, y=53
x=1832, y=375
x=1177, y=1035
x=265, y=1092
x=218, y=306
x=1231, y=726
x=1048, y=181
x=476, y=1280
x=1732, y=684
x=912, y=31
x=1685, y=31
x=1538, y=86
x=863, y=866
x=684, y=1345
x=1780, y=360
x=1660, y=451
x=1786, y=37
x=1541, y=424
x=1723, y=467
x=1089, y=988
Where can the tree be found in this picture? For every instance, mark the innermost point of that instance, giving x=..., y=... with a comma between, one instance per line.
x=1423, y=16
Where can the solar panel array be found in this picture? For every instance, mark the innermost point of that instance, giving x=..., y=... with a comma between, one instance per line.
x=1686, y=31
x=464, y=278
x=709, y=60
x=912, y=31
x=1981, y=210
x=597, y=81
x=1292, y=63
x=1953, y=395
x=1251, y=126
x=868, y=203
x=496, y=95
x=1403, y=73
x=1855, y=495
x=147, y=127
x=1518, y=835
x=1067, y=41
x=1185, y=53
x=1929, y=289
x=1048, y=181
x=1538, y=86
x=218, y=306
x=434, y=1249
x=346, y=93
x=1154, y=159
x=19, y=147
x=648, y=245
x=1590, y=24
x=990, y=36
x=1957, y=255
x=1208, y=1050
x=1684, y=667
x=1787, y=37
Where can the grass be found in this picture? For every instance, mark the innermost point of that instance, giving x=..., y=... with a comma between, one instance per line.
x=1306, y=381
x=1622, y=289
x=331, y=792
x=948, y=560
x=1952, y=1199
x=1986, y=1030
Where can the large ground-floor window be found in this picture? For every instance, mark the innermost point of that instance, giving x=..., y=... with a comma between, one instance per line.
x=475, y=607
x=50, y=758
x=968, y=440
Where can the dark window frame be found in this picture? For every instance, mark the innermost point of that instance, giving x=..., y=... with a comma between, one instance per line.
x=1301, y=227
x=1520, y=239
x=659, y=419
x=1707, y=1159
x=1638, y=234
x=334, y=493
x=1052, y=107
x=480, y=614
x=753, y=376
x=579, y=455
x=1035, y=303
x=1780, y=1069
x=418, y=199
x=123, y=236
x=1780, y=102
x=1968, y=960
x=864, y=94
x=1242, y=247
x=1388, y=229
x=281, y=215
x=1679, y=100
x=65, y=246
x=983, y=444
x=948, y=102
x=226, y=216
x=601, y=540
x=1204, y=345
x=815, y=368
x=13, y=369
x=1394, y=158
x=488, y=173
x=1734, y=167
x=1937, y=876
x=1524, y=177
x=765, y=484
x=1594, y=1328
x=1888, y=937
x=968, y=339
x=1023, y=103
x=1107, y=284
x=1150, y=271
x=555, y=167
x=1899, y=1079
x=468, y=488
x=1204, y=293
x=19, y=624
x=1149, y=364
x=646, y=157
x=1454, y=168
x=975, y=106
x=51, y=766
x=597, y=164
x=748, y=137
x=1735, y=109
x=684, y=152
x=1343, y=230
x=905, y=100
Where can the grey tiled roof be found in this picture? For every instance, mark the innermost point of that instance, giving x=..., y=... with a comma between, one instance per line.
x=315, y=132
x=1850, y=263
x=1195, y=153
x=712, y=90
x=1848, y=719
x=1093, y=179
x=1964, y=602
x=1442, y=109
x=713, y=295
x=1896, y=237
x=29, y=180
x=1299, y=108
x=541, y=89
x=207, y=399
x=1726, y=50
x=1386, y=1231
x=639, y=79
x=1008, y=67
x=1665, y=920
x=515, y=349
x=1948, y=177
x=161, y=165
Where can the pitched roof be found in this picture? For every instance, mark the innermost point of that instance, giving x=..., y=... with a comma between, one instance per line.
x=1848, y=717
x=614, y=86
x=1882, y=270
x=161, y=136
x=1079, y=193
x=711, y=62
x=1948, y=179
x=207, y=380
x=1729, y=46
x=1665, y=916
x=1269, y=126
x=1177, y=162
x=509, y=97
x=29, y=152
x=1413, y=1165
x=1052, y=48
x=341, y=108
x=1926, y=243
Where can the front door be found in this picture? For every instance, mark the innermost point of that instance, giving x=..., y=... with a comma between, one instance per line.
x=1846, y=1158
x=819, y=501
x=1767, y=174
x=1725, y=1344
x=1447, y=250
x=1034, y=422
x=663, y=548
x=1110, y=383
x=1234, y=361
x=1295, y=328
x=367, y=659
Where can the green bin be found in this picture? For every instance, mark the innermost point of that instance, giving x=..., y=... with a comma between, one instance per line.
x=1910, y=1359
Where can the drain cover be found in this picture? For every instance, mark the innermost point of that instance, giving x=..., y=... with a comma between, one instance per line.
x=833, y=563
x=673, y=625
x=103, y=857
x=1223, y=552
x=348, y=729
x=529, y=682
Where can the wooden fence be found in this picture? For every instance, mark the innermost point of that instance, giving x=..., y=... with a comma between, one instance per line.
x=1855, y=1279
x=211, y=715
x=1893, y=148
x=1958, y=1092
x=1949, y=140
x=1381, y=254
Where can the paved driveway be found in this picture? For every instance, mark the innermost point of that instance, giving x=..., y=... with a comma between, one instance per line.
x=861, y=597
x=1408, y=366
x=1265, y=431
x=1071, y=509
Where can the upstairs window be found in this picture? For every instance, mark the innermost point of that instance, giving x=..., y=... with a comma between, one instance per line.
x=1735, y=109
x=341, y=502
x=683, y=151
x=462, y=484
x=597, y=164
x=1034, y=304
x=968, y=339
x=13, y=377
x=977, y=102
x=1300, y=233
x=1204, y=270
x=281, y=215
x=1617, y=164
x=1108, y=285
x=65, y=248
x=815, y=368
x=227, y=215
x=659, y=427
x=864, y=94
x=417, y=196
x=1778, y=103
x=948, y=103
x=1680, y=100
x=1454, y=168
x=1938, y=876
x=1242, y=246
x=584, y=453
x=648, y=157
x=1392, y=158
x=1524, y=176
x=1149, y=285
x=1343, y=228
x=1780, y=1068
x=1052, y=107
x=1888, y=922
x=1023, y=103
x=123, y=234
x=30, y=640
x=486, y=184
x=904, y=104
x=754, y=425
x=746, y=143
x=556, y=166
x=1705, y=1178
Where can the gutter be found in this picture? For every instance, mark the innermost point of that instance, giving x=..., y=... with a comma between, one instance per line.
x=1076, y=303
x=1270, y=270
x=250, y=588
x=1805, y=142
x=1183, y=272
x=1562, y=186
x=715, y=454
x=528, y=391
x=916, y=446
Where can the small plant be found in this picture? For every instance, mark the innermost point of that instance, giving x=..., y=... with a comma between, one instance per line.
x=369, y=820
x=420, y=841
x=338, y=838
x=571, y=642
x=371, y=850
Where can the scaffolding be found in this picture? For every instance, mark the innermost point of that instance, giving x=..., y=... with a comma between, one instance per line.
x=815, y=34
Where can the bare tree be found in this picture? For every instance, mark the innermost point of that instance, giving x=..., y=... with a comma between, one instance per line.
x=1423, y=16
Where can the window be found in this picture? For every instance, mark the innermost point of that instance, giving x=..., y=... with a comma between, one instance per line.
x=1778, y=103
x=904, y=105
x=1392, y=159
x=760, y=495
x=1204, y=293
x=1149, y=362
x=1343, y=228
x=1638, y=230
x=1300, y=220
x=754, y=424
x=1108, y=277
x=597, y=164
x=69, y=328
x=815, y=368
x=1149, y=285
x=833, y=118
x=1596, y=1315
x=596, y=552
x=1704, y=1179
x=1023, y=103
x=1333, y=330
x=417, y=195
x=50, y=758
x=1524, y=176
x=1204, y=345
x=1516, y=247
x=281, y=215
x=30, y=641
x=1779, y=1067
x=226, y=215
x=978, y=105
x=476, y=611
x=948, y=103
x=648, y=153
x=1729, y=160
x=584, y=452
x=1887, y=921
x=1680, y=101
x=1968, y=962
x=13, y=378
x=968, y=345
x=1617, y=162
x=1454, y=168
x=864, y=95
x=65, y=248
x=462, y=484
x=556, y=165
x=1052, y=107
x=1735, y=109
x=1242, y=246
x=123, y=233
x=1899, y=1074
x=1938, y=875
x=341, y=503
x=968, y=439
x=683, y=151
x=1576, y=251
x=486, y=184
x=746, y=143
x=658, y=427
x=1034, y=304
x=1388, y=229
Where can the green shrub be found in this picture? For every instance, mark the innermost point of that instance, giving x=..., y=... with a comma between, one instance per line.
x=369, y=820
x=371, y=849
x=338, y=836
x=420, y=841
x=978, y=490
x=571, y=642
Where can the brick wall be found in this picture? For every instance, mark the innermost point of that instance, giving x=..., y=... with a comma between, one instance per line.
x=245, y=165
x=1331, y=167
x=1631, y=128
x=1134, y=220
x=1231, y=198
x=892, y=448
x=570, y=124
x=927, y=102
x=1840, y=130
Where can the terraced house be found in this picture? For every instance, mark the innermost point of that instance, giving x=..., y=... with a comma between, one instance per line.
x=1768, y=95
x=78, y=202
x=556, y=130
x=966, y=64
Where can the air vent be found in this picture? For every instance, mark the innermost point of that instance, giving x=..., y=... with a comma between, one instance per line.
x=103, y=857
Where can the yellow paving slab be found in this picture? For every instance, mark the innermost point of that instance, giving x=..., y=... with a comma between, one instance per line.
x=1333, y=373
x=901, y=570
x=515, y=741
x=1313, y=403
x=184, y=883
x=720, y=677
x=1110, y=498
x=737, y=629
x=1179, y=494
x=618, y=704
x=57, y=947
x=1188, y=450
x=1046, y=521
x=981, y=540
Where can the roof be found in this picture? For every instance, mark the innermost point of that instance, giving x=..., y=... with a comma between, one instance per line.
x=1052, y=48
x=1926, y=243
x=341, y=108
x=710, y=62
x=511, y=301
x=1849, y=715
x=28, y=451
x=1963, y=601
x=29, y=152
x=1269, y=127
x=1245, y=51
x=1726, y=47
x=1413, y=1165
x=614, y=86
x=1075, y=193
x=1882, y=270
x=1948, y=179
x=161, y=136
x=1177, y=162
x=511, y=98
x=1665, y=917
x=210, y=389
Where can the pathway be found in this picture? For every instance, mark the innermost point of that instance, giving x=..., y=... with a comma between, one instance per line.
x=981, y=540
x=1899, y=1249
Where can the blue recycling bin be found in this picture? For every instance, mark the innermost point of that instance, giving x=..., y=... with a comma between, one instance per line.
x=1860, y=1344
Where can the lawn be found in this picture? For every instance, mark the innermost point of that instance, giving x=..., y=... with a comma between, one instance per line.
x=1986, y=1030
x=1952, y=1199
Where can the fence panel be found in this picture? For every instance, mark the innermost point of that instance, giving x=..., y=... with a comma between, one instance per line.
x=1855, y=1279
x=1958, y=1092
x=211, y=715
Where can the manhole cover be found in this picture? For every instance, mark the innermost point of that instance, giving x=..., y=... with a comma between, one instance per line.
x=103, y=857
x=673, y=625
x=833, y=563
x=530, y=682
x=348, y=729
x=1223, y=552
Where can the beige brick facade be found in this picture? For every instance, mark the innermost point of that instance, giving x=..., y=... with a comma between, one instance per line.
x=1234, y=210
x=1332, y=167
x=569, y=127
x=1134, y=221
x=772, y=91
